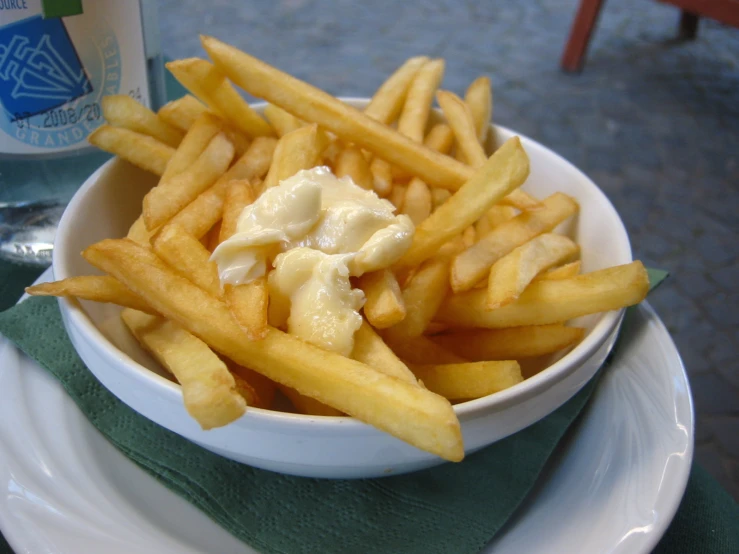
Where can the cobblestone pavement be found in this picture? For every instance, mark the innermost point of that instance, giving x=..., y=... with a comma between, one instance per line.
x=654, y=122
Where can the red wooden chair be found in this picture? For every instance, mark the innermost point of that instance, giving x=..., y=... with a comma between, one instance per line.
x=573, y=58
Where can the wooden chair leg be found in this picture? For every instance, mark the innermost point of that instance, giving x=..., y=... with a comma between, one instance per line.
x=582, y=29
x=688, y=25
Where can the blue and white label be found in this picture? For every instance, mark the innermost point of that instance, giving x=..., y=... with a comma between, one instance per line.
x=54, y=73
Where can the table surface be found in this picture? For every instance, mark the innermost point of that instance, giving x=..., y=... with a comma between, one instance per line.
x=652, y=121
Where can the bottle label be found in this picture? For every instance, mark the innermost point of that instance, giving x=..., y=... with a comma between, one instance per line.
x=58, y=58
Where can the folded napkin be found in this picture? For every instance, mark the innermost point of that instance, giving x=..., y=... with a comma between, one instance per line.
x=449, y=508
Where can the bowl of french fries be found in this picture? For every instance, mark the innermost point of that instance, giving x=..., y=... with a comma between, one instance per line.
x=468, y=282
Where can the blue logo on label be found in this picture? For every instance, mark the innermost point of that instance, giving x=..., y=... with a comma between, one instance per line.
x=50, y=87
x=39, y=67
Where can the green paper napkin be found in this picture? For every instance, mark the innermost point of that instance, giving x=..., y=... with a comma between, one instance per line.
x=449, y=508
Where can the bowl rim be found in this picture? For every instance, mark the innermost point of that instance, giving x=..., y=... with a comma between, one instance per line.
x=570, y=362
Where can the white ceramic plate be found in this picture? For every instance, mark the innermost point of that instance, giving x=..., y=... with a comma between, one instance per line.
x=613, y=485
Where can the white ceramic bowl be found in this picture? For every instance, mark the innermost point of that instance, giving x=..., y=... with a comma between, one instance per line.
x=333, y=447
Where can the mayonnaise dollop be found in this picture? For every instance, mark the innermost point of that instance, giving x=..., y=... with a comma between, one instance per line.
x=317, y=231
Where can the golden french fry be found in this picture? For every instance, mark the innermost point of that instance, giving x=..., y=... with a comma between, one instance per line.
x=120, y=110
x=212, y=239
x=183, y=112
x=563, y=272
x=466, y=381
x=98, y=288
x=460, y=119
x=417, y=203
x=452, y=247
x=300, y=149
x=422, y=296
x=548, y=301
x=351, y=162
x=482, y=227
x=469, y=236
x=370, y=349
x=397, y=196
x=470, y=266
x=281, y=121
x=387, y=102
x=382, y=177
x=421, y=350
x=138, y=232
x=195, y=142
x=415, y=114
x=198, y=217
x=479, y=98
x=249, y=303
x=500, y=214
x=261, y=390
x=439, y=196
x=206, y=82
x=512, y=273
x=384, y=305
x=208, y=388
x=506, y=170
x=307, y=405
x=349, y=124
x=168, y=198
x=239, y=194
x=408, y=412
x=511, y=343
x=187, y=256
x=141, y=150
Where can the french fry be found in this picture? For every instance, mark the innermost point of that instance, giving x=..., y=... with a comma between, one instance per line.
x=351, y=162
x=384, y=306
x=506, y=170
x=460, y=119
x=202, y=213
x=382, y=177
x=470, y=266
x=207, y=83
x=167, y=199
x=187, y=256
x=307, y=405
x=97, y=288
x=138, y=232
x=439, y=196
x=141, y=150
x=239, y=194
x=512, y=273
x=469, y=380
x=500, y=214
x=387, y=102
x=249, y=303
x=511, y=343
x=408, y=412
x=349, y=124
x=482, y=227
x=300, y=149
x=208, y=388
x=212, y=239
x=195, y=142
x=479, y=98
x=548, y=301
x=397, y=196
x=263, y=388
x=281, y=121
x=417, y=203
x=563, y=272
x=370, y=349
x=415, y=114
x=469, y=236
x=422, y=296
x=120, y=110
x=183, y=112
x=421, y=350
